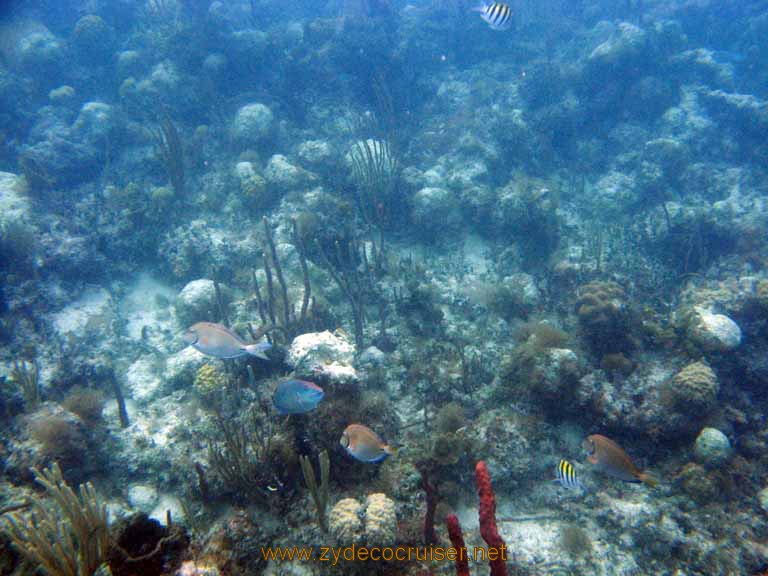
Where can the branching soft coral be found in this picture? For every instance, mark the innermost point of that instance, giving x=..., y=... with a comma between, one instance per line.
x=69, y=538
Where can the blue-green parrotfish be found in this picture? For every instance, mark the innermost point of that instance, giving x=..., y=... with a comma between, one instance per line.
x=364, y=444
x=220, y=342
x=297, y=396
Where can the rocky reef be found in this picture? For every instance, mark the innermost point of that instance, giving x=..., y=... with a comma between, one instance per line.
x=482, y=245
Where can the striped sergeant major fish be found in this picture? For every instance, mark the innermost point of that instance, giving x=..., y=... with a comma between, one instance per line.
x=497, y=14
x=566, y=475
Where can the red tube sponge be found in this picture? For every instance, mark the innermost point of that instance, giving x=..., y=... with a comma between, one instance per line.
x=488, y=529
x=457, y=541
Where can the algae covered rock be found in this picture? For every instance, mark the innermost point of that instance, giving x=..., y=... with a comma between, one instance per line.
x=714, y=332
x=712, y=447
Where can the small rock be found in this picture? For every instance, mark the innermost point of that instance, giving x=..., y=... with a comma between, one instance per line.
x=372, y=356
x=712, y=447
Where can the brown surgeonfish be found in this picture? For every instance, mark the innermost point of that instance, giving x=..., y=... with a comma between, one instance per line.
x=609, y=457
x=219, y=341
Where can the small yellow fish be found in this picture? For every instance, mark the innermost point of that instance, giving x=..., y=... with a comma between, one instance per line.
x=364, y=444
x=610, y=458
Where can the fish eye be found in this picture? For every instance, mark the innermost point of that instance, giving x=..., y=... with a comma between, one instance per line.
x=190, y=336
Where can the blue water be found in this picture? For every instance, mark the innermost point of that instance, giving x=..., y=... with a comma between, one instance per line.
x=481, y=244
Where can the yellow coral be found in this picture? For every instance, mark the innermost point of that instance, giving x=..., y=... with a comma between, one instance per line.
x=345, y=521
x=209, y=380
x=375, y=524
x=380, y=520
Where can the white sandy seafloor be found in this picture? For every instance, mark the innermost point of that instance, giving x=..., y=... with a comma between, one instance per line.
x=144, y=367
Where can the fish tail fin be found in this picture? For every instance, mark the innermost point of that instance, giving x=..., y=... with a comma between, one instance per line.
x=649, y=478
x=479, y=7
x=258, y=350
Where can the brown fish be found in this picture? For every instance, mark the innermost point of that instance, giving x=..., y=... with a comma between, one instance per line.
x=364, y=444
x=610, y=458
x=219, y=341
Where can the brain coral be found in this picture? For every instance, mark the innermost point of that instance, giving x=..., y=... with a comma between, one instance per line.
x=604, y=317
x=345, y=521
x=380, y=520
x=695, y=388
x=376, y=525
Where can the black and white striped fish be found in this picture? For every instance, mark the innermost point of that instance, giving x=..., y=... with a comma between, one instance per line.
x=497, y=14
x=566, y=475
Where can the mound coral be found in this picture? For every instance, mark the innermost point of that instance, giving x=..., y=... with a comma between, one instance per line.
x=694, y=389
x=604, y=317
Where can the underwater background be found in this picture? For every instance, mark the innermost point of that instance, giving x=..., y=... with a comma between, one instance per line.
x=401, y=275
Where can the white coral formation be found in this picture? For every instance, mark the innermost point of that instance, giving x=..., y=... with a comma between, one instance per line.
x=380, y=520
x=715, y=332
x=345, y=521
x=330, y=353
x=374, y=524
